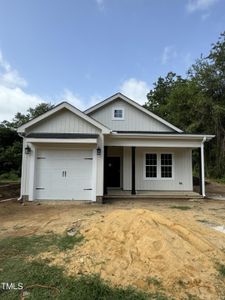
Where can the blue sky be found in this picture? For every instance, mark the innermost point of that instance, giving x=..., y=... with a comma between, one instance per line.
x=83, y=51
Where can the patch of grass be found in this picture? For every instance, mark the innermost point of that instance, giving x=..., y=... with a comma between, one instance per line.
x=83, y=287
x=9, y=177
x=203, y=221
x=154, y=281
x=67, y=242
x=221, y=269
x=16, y=268
x=192, y=297
x=32, y=245
x=181, y=207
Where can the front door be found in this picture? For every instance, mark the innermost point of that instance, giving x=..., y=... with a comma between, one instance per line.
x=113, y=171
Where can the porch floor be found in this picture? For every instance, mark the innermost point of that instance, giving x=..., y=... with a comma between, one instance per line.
x=116, y=194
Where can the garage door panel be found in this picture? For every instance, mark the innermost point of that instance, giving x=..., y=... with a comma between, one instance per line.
x=64, y=174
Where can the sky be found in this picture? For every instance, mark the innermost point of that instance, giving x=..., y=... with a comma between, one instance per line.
x=83, y=51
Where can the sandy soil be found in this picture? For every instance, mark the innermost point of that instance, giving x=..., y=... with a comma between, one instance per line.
x=132, y=241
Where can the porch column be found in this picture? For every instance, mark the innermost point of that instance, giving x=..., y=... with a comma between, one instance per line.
x=104, y=179
x=202, y=169
x=133, y=191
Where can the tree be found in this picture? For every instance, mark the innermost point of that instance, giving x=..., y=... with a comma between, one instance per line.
x=20, y=119
x=196, y=104
x=11, y=143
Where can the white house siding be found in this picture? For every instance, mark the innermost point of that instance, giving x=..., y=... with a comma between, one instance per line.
x=134, y=119
x=182, y=180
x=63, y=121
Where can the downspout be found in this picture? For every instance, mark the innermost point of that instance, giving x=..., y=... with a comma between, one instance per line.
x=203, y=167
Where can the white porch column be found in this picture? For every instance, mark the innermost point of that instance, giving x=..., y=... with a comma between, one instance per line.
x=32, y=172
x=203, y=167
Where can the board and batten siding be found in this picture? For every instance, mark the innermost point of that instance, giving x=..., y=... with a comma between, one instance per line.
x=134, y=119
x=182, y=179
x=63, y=121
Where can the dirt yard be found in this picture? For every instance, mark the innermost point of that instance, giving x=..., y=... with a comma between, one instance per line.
x=175, y=246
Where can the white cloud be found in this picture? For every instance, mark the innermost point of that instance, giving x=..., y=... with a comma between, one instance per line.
x=13, y=98
x=72, y=98
x=135, y=89
x=8, y=76
x=169, y=53
x=195, y=5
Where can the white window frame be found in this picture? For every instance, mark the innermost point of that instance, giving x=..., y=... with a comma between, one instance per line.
x=159, y=177
x=117, y=119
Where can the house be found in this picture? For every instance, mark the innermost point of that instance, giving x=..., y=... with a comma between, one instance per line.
x=114, y=147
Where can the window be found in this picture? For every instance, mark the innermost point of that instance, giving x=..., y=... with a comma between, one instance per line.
x=151, y=165
x=118, y=114
x=158, y=166
x=166, y=165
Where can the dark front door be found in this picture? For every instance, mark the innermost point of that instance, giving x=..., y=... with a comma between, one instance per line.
x=113, y=171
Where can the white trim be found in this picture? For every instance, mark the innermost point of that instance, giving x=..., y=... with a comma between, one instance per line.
x=32, y=172
x=70, y=108
x=164, y=136
x=159, y=175
x=133, y=103
x=203, y=168
x=115, y=118
x=94, y=175
x=60, y=141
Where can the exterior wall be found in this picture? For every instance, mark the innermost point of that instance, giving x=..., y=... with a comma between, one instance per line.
x=182, y=180
x=63, y=121
x=134, y=119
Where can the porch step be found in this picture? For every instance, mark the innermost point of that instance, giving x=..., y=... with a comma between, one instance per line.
x=153, y=195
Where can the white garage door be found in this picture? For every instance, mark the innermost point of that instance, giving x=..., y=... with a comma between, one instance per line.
x=64, y=174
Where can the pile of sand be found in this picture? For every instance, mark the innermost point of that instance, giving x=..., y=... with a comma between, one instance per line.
x=130, y=247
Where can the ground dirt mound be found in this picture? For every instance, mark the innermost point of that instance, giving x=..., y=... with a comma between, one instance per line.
x=142, y=248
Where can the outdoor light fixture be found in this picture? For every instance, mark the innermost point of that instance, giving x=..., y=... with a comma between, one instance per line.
x=99, y=151
x=27, y=150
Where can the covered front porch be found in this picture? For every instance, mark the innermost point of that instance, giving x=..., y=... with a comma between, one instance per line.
x=149, y=167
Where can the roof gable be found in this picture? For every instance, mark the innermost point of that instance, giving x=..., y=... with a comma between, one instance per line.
x=157, y=122
x=62, y=108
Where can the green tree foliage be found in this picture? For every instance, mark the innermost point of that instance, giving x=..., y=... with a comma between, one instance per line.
x=11, y=143
x=196, y=103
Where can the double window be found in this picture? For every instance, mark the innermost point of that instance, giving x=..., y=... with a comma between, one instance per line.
x=158, y=165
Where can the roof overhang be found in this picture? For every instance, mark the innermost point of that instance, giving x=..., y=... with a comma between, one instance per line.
x=61, y=138
x=157, y=140
x=169, y=136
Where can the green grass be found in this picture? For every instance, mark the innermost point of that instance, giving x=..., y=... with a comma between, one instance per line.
x=181, y=207
x=9, y=177
x=16, y=268
x=221, y=269
x=154, y=281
